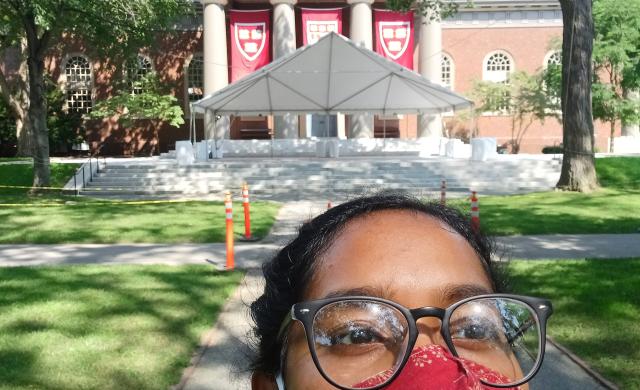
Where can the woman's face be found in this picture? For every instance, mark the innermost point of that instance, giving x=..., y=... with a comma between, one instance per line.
x=406, y=257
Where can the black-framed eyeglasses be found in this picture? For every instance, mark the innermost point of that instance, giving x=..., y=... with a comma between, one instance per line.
x=357, y=337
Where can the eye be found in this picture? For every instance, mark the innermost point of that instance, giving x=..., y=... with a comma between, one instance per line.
x=475, y=329
x=356, y=335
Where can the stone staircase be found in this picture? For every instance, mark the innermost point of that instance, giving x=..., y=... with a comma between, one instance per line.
x=294, y=179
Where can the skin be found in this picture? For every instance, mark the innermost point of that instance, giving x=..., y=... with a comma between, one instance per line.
x=407, y=257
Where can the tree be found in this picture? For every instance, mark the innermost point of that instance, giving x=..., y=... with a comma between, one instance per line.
x=578, y=163
x=151, y=103
x=30, y=28
x=616, y=55
x=524, y=98
x=436, y=9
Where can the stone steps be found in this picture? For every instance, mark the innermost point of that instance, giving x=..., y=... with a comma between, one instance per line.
x=321, y=178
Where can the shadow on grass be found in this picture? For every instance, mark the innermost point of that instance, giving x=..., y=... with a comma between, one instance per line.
x=105, y=327
x=82, y=221
x=596, y=310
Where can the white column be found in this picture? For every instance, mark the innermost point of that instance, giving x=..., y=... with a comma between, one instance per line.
x=631, y=129
x=361, y=26
x=284, y=42
x=216, y=74
x=429, y=65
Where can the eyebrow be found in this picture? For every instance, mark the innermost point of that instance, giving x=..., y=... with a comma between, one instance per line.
x=366, y=291
x=450, y=293
x=456, y=292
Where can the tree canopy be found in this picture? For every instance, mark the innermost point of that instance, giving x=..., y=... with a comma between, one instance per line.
x=31, y=28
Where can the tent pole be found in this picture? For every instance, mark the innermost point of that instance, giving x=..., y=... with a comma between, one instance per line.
x=191, y=124
x=215, y=135
x=384, y=133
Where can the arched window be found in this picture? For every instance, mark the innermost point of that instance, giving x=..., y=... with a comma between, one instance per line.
x=497, y=67
x=447, y=71
x=78, y=84
x=553, y=58
x=140, y=68
x=195, y=78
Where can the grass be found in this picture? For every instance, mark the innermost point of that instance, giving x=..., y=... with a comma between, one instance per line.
x=596, y=310
x=611, y=209
x=22, y=175
x=104, y=327
x=47, y=220
x=12, y=159
x=56, y=219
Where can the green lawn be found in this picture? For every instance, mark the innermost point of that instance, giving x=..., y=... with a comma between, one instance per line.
x=11, y=159
x=596, y=310
x=612, y=209
x=52, y=218
x=104, y=327
x=22, y=175
x=48, y=220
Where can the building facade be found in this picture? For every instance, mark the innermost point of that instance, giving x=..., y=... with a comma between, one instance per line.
x=212, y=49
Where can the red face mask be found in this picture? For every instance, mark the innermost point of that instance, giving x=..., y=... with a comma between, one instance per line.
x=434, y=367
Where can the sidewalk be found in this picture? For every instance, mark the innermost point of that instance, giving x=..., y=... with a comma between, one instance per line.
x=251, y=255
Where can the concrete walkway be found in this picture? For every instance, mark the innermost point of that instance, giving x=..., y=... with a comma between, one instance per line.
x=251, y=255
x=222, y=360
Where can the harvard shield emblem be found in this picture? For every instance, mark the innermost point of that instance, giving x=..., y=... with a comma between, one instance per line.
x=394, y=37
x=316, y=29
x=250, y=39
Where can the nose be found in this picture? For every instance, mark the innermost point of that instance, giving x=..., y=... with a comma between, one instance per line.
x=429, y=332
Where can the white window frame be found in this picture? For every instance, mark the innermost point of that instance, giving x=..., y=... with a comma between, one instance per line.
x=66, y=86
x=452, y=71
x=139, y=57
x=497, y=76
x=187, y=81
x=547, y=57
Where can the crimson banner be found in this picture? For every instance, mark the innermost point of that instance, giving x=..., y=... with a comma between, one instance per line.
x=316, y=23
x=250, y=41
x=394, y=36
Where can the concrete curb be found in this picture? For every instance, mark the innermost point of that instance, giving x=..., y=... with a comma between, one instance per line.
x=210, y=337
x=591, y=372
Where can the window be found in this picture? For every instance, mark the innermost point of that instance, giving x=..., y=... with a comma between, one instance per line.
x=497, y=68
x=552, y=58
x=195, y=74
x=136, y=73
x=78, y=84
x=447, y=74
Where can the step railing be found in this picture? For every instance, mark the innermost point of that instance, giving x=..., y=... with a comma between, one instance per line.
x=84, y=174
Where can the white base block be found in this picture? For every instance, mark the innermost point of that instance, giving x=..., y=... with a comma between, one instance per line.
x=457, y=149
x=184, y=153
x=483, y=149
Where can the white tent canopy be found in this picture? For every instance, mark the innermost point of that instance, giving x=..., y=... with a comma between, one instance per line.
x=334, y=75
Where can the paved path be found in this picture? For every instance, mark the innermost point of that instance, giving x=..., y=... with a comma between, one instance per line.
x=251, y=255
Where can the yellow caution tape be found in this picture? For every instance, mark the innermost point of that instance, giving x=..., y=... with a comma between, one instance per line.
x=33, y=188
x=72, y=203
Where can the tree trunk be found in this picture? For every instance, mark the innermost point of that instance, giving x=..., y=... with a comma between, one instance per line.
x=578, y=163
x=38, y=118
x=24, y=135
x=631, y=129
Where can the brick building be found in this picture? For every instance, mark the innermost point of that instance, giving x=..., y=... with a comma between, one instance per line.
x=486, y=42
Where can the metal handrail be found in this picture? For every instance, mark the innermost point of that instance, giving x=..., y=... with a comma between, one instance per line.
x=82, y=167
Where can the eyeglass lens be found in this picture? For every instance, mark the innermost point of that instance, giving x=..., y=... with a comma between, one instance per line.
x=355, y=340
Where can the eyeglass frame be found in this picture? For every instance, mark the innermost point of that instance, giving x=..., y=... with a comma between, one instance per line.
x=305, y=313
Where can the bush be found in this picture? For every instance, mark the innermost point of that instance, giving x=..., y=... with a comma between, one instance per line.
x=555, y=149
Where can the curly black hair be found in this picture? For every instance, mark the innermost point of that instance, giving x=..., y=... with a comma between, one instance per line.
x=288, y=273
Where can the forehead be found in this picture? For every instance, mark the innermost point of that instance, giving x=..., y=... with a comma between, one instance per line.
x=409, y=256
